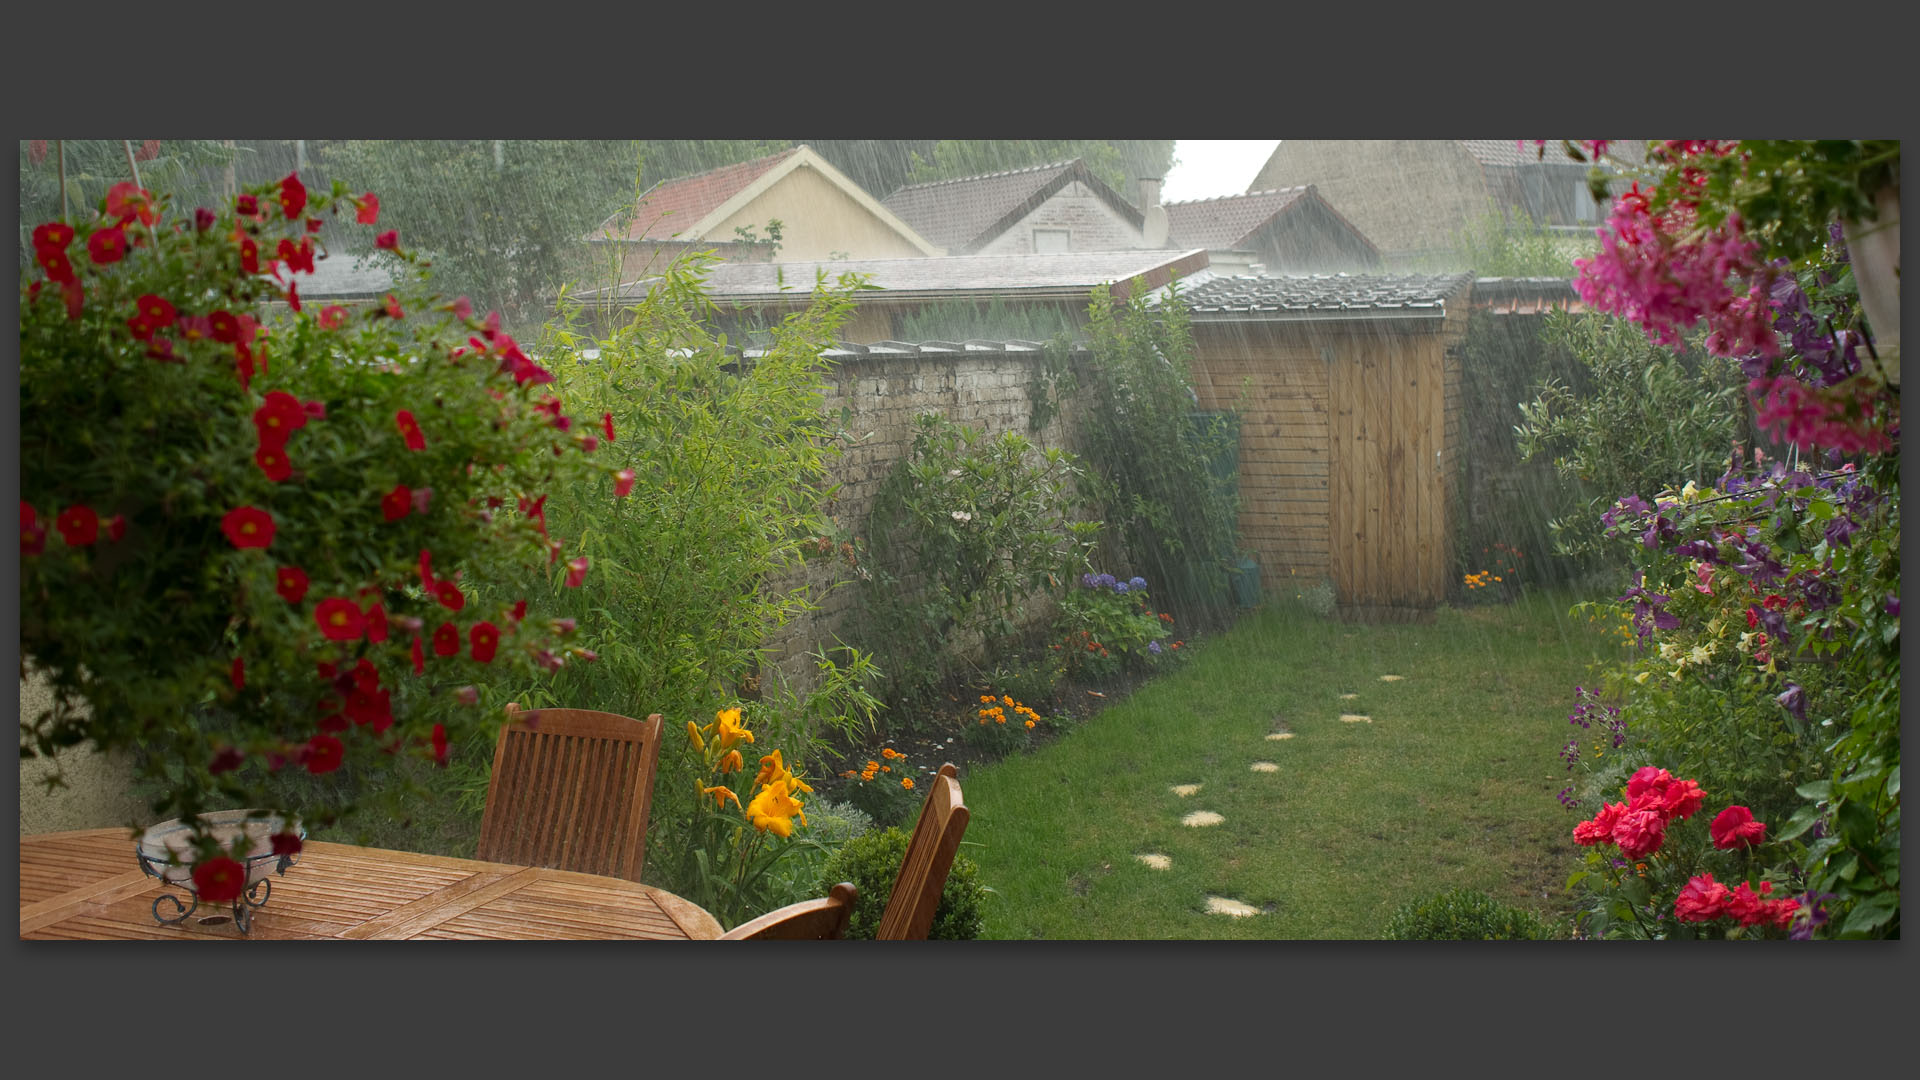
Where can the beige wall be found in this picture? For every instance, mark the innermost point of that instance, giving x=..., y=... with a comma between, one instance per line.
x=99, y=792
x=817, y=218
x=1094, y=225
x=1407, y=196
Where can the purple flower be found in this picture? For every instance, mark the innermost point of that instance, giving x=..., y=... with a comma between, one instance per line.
x=1566, y=798
x=1104, y=581
x=1893, y=605
x=1794, y=700
x=1119, y=586
x=1137, y=583
x=1812, y=911
x=1704, y=550
x=1153, y=647
x=1089, y=580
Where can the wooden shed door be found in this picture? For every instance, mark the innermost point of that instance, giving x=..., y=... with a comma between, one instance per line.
x=1384, y=433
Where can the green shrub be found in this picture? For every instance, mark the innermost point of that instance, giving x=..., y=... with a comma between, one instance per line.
x=872, y=862
x=1463, y=915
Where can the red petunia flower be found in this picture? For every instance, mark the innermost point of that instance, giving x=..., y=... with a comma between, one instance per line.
x=291, y=583
x=116, y=527
x=340, y=619
x=376, y=624
x=246, y=206
x=426, y=570
x=286, y=843
x=126, y=201
x=249, y=253
x=371, y=708
x=449, y=595
x=410, y=430
x=576, y=572
x=519, y=610
x=446, y=640
x=194, y=327
x=485, y=638
x=422, y=500
x=226, y=759
x=273, y=462
x=293, y=296
x=279, y=417
x=606, y=424
x=419, y=658
x=293, y=196
x=462, y=308
x=322, y=754
x=107, y=246
x=389, y=240
x=298, y=258
x=369, y=209
x=221, y=879
x=397, y=503
x=33, y=534
x=623, y=483
x=332, y=317
x=161, y=349
x=79, y=526
x=203, y=219
x=439, y=739
x=393, y=308
x=1734, y=827
x=156, y=311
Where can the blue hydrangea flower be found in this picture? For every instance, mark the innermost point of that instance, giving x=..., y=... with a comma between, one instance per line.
x=1137, y=583
x=1089, y=581
x=1104, y=581
x=1119, y=586
x=1153, y=647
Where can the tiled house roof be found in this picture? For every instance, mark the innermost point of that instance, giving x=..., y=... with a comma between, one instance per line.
x=1224, y=222
x=1065, y=273
x=1507, y=153
x=1343, y=296
x=674, y=206
x=963, y=215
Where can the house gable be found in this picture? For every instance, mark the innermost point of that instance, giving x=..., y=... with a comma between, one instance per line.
x=970, y=215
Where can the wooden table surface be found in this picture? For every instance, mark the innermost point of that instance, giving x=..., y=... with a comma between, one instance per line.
x=88, y=885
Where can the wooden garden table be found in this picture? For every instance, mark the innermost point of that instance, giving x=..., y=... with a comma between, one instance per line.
x=88, y=885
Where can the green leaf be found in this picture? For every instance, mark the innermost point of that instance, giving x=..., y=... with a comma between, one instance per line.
x=1819, y=789
x=1873, y=913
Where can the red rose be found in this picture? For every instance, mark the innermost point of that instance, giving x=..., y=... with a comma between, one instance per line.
x=219, y=880
x=446, y=640
x=1683, y=799
x=78, y=525
x=577, y=572
x=389, y=240
x=293, y=196
x=291, y=583
x=449, y=595
x=286, y=843
x=340, y=619
x=485, y=638
x=410, y=430
x=1640, y=833
x=369, y=209
x=397, y=503
x=1702, y=900
x=623, y=483
x=322, y=754
x=107, y=246
x=439, y=744
x=1647, y=779
x=1734, y=827
x=273, y=461
x=332, y=317
x=419, y=658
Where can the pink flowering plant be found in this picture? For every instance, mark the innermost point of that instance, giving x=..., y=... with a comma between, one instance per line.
x=254, y=528
x=1765, y=605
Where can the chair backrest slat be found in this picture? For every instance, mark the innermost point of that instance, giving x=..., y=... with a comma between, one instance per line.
x=571, y=790
x=923, y=872
x=808, y=920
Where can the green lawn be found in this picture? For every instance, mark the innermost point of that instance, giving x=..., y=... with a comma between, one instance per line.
x=1451, y=784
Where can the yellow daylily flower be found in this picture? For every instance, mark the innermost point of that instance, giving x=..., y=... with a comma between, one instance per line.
x=774, y=809
x=771, y=769
x=732, y=762
x=693, y=733
x=728, y=729
x=720, y=794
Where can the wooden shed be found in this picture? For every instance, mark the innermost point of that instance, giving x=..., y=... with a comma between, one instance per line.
x=1348, y=393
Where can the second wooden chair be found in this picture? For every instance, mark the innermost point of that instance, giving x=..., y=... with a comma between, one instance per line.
x=923, y=872
x=808, y=920
x=571, y=790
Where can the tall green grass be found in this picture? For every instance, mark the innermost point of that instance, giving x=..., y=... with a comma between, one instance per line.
x=1451, y=784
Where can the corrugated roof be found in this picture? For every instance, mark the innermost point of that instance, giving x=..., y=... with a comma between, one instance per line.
x=674, y=206
x=1078, y=270
x=1224, y=222
x=1324, y=295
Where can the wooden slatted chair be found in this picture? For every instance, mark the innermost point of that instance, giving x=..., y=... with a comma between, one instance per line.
x=571, y=789
x=808, y=920
x=923, y=873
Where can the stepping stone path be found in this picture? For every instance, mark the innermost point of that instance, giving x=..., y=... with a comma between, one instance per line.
x=1156, y=862
x=1185, y=790
x=1278, y=735
x=1348, y=697
x=1392, y=678
x=1265, y=766
x=1355, y=718
x=1201, y=818
x=1220, y=905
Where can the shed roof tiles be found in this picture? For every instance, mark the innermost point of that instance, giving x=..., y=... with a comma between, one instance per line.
x=1323, y=295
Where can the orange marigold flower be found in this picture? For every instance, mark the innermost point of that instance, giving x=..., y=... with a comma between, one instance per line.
x=907, y=782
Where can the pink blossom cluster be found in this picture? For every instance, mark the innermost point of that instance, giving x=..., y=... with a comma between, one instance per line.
x=1664, y=274
x=1838, y=417
x=1704, y=900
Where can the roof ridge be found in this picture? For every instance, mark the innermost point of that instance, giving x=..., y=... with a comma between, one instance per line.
x=985, y=176
x=1238, y=195
x=735, y=165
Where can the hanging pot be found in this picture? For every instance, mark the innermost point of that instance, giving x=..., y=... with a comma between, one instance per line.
x=1874, y=249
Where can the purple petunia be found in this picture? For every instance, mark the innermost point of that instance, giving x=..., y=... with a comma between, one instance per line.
x=1794, y=700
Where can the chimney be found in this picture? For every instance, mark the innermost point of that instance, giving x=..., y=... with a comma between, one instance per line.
x=1154, y=229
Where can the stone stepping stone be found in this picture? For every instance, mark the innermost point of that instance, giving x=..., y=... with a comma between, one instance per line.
x=1156, y=862
x=1355, y=718
x=1278, y=735
x=1265, y=766
x=1185, y=790
x=1200, y=819
x=1349, y=697
x=1220, y=905
x=1392, y=678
